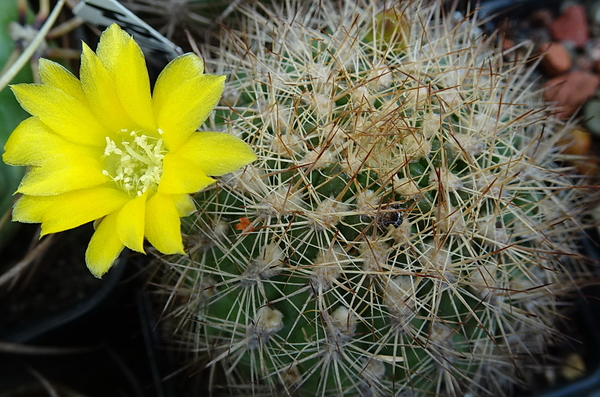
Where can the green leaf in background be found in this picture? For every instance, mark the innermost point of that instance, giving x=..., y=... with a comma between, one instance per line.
x=11, y=114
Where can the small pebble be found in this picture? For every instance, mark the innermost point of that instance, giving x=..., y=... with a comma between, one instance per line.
x=571, y=26
x=569, y=91
x=579, y=143
x=556, y=59
x=592, y=49
x=573, y=367
x=591, y=116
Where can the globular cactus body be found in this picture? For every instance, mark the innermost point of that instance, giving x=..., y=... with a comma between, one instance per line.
x=410, y=227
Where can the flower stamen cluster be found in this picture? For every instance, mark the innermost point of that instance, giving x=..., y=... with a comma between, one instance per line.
x=135, y=165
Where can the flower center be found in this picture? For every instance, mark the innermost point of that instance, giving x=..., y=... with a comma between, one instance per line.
x=136, y=163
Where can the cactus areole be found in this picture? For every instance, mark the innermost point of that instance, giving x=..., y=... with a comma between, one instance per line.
x=410, y=226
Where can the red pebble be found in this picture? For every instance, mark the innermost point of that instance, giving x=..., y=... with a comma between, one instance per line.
x=570, y=91
x=507, y=44
x=571, y=26
x=556, y=59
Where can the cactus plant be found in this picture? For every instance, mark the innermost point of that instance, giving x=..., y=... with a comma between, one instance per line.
x=410, y=228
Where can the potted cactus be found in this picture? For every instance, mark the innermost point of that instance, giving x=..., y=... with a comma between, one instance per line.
x=410, y=228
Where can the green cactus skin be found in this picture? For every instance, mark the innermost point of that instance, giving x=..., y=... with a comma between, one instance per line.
x=410, y=227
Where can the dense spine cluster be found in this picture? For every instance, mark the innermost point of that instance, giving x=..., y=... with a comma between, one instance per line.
x=410, y=227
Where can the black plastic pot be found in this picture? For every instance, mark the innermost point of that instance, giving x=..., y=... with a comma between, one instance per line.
x=587, y=325
x=104, y=345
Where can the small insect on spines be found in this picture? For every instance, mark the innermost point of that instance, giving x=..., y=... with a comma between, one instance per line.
x=389, y=215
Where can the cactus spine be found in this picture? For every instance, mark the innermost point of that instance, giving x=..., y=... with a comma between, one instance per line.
x=410, y=227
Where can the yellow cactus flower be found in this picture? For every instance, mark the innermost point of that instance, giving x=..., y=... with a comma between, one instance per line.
x=103, y=148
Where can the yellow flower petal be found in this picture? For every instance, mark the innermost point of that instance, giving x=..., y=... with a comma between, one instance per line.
x=184, y=203
x=181, y=69
x=62, y=113
x=188, y=106
x=216, y=153
x=33, y=143
x=57, y=76
x=124, y=61
x=104, y=247
x=101, y=93
x=181, y=103
x=68, y=210
x=111, y=44
x=31, y=209
x=163, y=227
x=182, y=176
x=62, y=174
x=130, y=223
